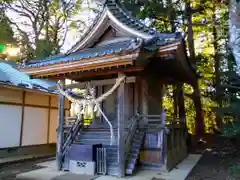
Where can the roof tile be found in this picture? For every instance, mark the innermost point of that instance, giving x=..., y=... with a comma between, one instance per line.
x=99, y=51
x=11, y=76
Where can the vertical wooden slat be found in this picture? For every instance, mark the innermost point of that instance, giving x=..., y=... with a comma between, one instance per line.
x=60, y=128
x=22, y=117
x=49, y=118
x=164, y=142
x=121, y=144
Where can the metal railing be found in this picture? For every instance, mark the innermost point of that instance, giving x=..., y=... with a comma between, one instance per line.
x=101, y=162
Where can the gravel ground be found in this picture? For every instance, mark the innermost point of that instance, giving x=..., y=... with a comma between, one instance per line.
x=9, y=172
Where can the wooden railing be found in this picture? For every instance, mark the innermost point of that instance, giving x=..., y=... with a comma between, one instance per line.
x=172, y=141
x=130, y=133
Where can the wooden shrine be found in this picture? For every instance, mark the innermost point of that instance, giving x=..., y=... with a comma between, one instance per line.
x=118, y=44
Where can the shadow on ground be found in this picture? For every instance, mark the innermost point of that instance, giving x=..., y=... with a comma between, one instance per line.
x=220, y=160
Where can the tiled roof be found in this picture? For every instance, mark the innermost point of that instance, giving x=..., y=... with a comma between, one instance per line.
x=11, y=76
x=112, y=48
x=125, y=17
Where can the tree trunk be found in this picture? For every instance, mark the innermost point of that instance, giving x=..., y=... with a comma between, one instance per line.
x=199, y=112
x=197, y=96
x=216, y=66
x=234, y=29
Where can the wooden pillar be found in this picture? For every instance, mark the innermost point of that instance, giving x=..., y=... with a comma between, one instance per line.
x=60, y=129
x=136, y=97
x=144, y=98
x=175, y=101
x=181, y=105
x=49, y=118
x=22, y=117
x=120, y=117
x=126, y=102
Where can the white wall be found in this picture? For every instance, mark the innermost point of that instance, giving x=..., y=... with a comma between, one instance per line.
x=10, y=123
x=35, y=126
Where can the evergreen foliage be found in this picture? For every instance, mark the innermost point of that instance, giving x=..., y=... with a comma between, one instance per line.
x=230, y=96
x=210, y=33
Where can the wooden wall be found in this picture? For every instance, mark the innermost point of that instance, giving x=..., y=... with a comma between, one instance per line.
x=110, y=103
x=27, y=118
x=151, y=150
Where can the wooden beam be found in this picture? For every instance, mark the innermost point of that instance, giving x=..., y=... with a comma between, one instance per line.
x=83, y=65
x=22, y=117
x=136, y=97
x=97, y=74
x=25, y=89
x=27, y=105
x=60, y=129
x=95, y=83
x=49, y=118
x=121, y=142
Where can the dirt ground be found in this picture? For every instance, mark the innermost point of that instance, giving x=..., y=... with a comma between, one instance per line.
x=220, y=161
x=9, y=172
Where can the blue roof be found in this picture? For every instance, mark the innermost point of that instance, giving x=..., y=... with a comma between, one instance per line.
x=112, y=48
x=11, y=76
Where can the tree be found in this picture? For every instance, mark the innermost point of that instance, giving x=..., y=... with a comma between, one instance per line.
x=44, y=25
x=234, y=28
x=204, y=24
x=230, y=84
x=6, y=32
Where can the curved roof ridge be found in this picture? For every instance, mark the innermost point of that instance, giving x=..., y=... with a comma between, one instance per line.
x=129, y=14
x=147, y=29
x=124, y=17
x=88, y=30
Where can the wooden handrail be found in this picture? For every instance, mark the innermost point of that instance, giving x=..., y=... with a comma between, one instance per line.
x=131, y=131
